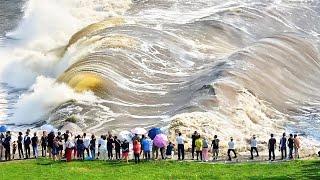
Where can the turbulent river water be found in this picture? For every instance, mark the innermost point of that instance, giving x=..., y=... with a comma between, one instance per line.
x=118, y=64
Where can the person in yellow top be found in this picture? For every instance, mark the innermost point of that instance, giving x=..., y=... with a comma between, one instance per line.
x=198, y=144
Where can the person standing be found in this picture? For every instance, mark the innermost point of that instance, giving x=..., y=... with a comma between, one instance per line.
x=27, y=142
x=125, y=150
x=272, y=146
x=93, y=147
x=110, y=146
x=180, y=141
x=103, y=148
x=34, y=143
x=117, y=147
x=6, y=145
x=297, y=145
x=215, y=148
x=20, y=149
x=14, y=149
x=231, y=147
x=193, y=143
x=146, y=144
x=253, y=144
x=198, y=144
x=99, y=145
x=44, y=143
x=1, y=145
x=80, y=148
x=205, y=149
x=69, y=146
x=290, y=145
x=283, y=146
x=51, y=138
x=86, y=143
x=136, y=151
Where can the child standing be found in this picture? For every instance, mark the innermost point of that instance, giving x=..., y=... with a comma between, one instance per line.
x=136, y=151
x=125, y=150
x=14, y=149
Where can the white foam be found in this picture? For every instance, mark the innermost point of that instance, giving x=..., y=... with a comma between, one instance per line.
x=44, y=95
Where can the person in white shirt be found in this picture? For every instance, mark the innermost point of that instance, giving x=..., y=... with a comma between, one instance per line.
x=86, y=143
x=231, y=147
x=180, y=141
x=253, y=144
x=103, y=148
x=99, y=144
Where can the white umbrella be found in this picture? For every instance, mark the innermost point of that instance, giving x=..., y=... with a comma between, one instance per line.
x=139, y=131
x=125, y=135
x=47, y=128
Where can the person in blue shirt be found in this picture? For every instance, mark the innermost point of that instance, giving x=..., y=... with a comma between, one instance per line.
x=146, y=144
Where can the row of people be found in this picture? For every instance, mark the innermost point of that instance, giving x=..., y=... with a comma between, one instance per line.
x=62, y=145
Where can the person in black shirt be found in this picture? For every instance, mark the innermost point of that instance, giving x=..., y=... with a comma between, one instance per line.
x=215, y=147
x=193, y=145
x=20, y=150
x=51, y=138
x=283, y=146
x=125, y=150
x=60, y=148
x=117, y=145
x=110, y=146
x=80, y=147
x=93, y=146
x=290, y=145
x=27, y=142
x=34, y=142
x=6, y=145
x=272, y=146
x=44, y=143
x=1, y=146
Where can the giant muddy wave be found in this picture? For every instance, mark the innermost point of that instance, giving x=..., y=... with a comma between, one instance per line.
x=228, y=67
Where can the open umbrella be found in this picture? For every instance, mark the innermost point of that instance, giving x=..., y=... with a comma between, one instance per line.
x=138, y=131
x=153, y=132
x=3, y=129
x=125, y=135
x=160, y=140
x=47, y=128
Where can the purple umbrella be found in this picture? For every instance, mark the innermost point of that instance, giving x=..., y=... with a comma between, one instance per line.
x=160, y=140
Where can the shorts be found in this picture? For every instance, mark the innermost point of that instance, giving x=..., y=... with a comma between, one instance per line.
x=125, y=154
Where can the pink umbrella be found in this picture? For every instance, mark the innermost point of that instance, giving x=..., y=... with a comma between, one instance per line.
x=160, y=140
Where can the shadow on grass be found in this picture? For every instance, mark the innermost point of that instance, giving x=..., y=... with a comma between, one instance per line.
x=311, y=171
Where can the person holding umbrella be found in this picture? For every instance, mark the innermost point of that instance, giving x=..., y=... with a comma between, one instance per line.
x=152, y=134
x=160, y=141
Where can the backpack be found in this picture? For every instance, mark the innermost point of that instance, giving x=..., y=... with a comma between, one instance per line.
x=27, y=141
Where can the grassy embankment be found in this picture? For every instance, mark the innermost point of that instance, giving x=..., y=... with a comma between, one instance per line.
x=46, y=169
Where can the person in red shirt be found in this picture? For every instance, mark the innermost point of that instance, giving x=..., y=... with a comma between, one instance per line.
x=136, y=151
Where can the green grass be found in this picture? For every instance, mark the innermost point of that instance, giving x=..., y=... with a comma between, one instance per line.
x=46, y=169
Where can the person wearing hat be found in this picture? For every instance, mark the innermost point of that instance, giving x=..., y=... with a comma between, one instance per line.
x=253, y=144
x=231, y=147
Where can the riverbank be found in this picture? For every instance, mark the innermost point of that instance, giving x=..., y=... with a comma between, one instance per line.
x=47, y=169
